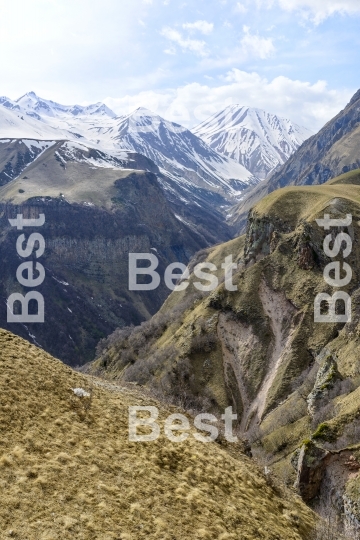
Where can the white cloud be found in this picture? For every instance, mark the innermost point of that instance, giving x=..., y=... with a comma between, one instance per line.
x=316, y=10
x=194, y=45
x=240, y=8
x=254, y=45
x=310, y=105
x=201, y=26
x=170, y=50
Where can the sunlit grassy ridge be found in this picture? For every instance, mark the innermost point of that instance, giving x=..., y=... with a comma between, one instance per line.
x=304, y=202
x=68, y=473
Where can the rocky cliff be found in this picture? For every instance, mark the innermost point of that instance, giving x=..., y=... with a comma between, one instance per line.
x=86, y=288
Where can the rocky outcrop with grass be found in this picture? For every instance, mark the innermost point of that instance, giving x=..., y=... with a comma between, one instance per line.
x=289, y=379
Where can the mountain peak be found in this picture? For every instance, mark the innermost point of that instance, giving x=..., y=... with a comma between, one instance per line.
x=142, y=114
x=144, y=111
x=103, y=108
x=27, y=95
x=253, y=137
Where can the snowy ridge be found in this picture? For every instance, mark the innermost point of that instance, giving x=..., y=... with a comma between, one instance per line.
x=224, y=155
x=80, y=153
x=177, y=151
x=258, y=140
x=15, y=124
x=180, y=154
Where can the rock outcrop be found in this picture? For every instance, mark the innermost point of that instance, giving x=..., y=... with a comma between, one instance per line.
x=310, y=470
x=326, y=377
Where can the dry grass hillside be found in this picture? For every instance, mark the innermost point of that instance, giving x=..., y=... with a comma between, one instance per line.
x=68, y=470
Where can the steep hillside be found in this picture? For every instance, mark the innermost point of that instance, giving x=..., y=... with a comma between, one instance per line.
x=16, y=155
x=329, y=153
x=294, y=382
x=85, y=175
x=258, y=140
x=69, y=471
x=98, y=209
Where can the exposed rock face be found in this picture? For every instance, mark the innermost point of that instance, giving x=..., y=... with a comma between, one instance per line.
x=351, y=514
x=239, y=343
x=258, y=239
x=332, y=484
x=86, y=288
x=262, y=236
x=306, y=256
x=310, y=470
x=327, y=375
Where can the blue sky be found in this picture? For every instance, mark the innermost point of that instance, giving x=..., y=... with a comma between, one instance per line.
x=185, y=60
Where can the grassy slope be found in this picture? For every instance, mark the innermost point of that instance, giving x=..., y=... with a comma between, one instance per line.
x=295, y=203
x=79, y=182
x=66, y=473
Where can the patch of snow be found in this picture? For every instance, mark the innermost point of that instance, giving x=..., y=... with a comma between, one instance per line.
x=59, y=281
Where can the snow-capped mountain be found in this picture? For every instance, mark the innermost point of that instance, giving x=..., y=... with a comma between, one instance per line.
x=180, y=155
x=31, y=103
x=15, y=123
x=179, y=152
x=258, y=140
x=92, y=137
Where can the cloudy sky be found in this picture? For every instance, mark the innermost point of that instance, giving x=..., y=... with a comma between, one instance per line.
x=185, y=59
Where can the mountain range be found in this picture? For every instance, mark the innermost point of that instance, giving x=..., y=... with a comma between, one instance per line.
x=224, y=155
x=184, y=158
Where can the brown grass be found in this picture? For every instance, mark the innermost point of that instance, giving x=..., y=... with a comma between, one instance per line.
x=68, y=472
